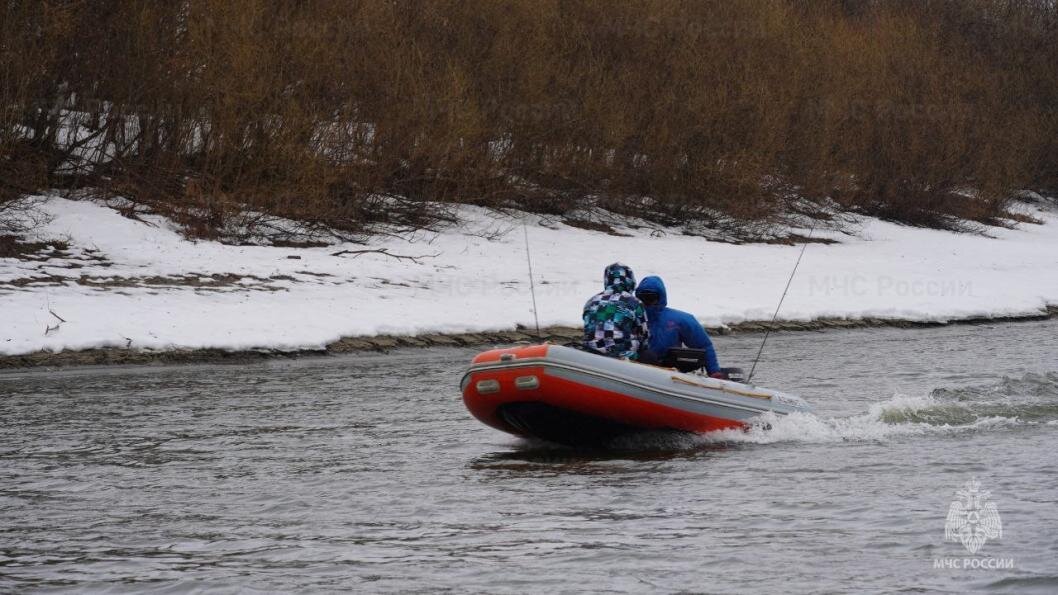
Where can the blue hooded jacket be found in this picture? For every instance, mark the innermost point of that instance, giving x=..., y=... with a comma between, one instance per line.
x=673, y=328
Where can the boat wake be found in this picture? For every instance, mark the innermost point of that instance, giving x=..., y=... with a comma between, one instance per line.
x=1030, y=400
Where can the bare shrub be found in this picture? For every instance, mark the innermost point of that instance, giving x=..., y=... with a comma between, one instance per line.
x=671, y=109
x=20, y=215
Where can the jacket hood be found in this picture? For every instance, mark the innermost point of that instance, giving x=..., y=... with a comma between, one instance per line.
x=619, y=277
x=655, y=284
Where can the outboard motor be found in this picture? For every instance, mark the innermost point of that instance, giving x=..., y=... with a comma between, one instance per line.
x=734, y=374
x=684, y=359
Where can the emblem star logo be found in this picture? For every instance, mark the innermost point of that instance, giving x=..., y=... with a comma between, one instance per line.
x=973, y=518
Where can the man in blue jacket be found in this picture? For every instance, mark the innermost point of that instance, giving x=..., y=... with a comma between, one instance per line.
x=672, y=328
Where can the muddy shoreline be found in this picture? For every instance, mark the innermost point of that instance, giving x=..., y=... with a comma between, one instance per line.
x=385, y=343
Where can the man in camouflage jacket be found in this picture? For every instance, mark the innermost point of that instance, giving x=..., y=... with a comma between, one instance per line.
x=615, y=322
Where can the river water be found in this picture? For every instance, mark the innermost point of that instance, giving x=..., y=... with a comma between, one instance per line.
x=365, y=473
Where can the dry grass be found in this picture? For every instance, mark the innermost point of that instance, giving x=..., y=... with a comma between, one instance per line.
x=317, y=110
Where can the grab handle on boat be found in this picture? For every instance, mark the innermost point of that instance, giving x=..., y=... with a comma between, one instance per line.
x=526, y=382
x=723, y=388
x=486, y=387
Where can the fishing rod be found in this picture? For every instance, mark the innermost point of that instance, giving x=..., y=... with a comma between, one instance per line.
x=767, y=331
x=532, y=286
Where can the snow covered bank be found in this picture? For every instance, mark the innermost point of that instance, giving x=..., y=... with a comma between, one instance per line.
x=120, y=282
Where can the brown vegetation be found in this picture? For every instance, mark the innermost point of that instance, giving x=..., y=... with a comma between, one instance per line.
x=348, y=113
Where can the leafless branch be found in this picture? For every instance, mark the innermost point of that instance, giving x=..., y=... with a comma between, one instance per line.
x=385, y=252
x=22, y=214
x=51, y=329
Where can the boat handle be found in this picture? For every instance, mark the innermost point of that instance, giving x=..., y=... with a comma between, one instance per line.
x=487, y=387
x=526, y=382
x=721, y=388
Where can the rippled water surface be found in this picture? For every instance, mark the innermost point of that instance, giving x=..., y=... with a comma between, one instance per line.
x=366, y=473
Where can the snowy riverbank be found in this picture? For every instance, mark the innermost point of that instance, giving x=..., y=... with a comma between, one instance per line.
x=137, y=284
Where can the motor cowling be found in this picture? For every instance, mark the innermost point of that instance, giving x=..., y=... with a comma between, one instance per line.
x=734, y=374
